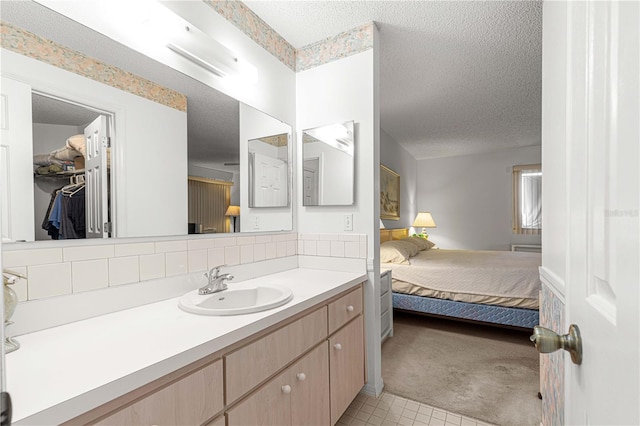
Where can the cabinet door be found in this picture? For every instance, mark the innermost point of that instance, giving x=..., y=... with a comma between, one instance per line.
x=310, y=394
x=346, y=366
x=193, y=399
x=269, y=406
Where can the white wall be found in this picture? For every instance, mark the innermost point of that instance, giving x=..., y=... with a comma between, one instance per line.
x=469, y=198
x=149, y=153
x=398, y=159
x=554, y=142
x=339, y=91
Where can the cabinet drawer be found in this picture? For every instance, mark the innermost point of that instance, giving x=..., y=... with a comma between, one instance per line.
x=253, y=363
x=385, y=302
x=385, y=282
x=193, y=399
x=345, y=309
x=385, y=323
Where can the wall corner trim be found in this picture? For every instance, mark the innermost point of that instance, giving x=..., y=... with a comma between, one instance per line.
x=553, y=282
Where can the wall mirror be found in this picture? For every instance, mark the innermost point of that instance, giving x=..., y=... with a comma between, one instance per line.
x=328, y=165
x=212, y=136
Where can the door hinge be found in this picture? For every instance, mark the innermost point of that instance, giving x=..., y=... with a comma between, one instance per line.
x=108, y=228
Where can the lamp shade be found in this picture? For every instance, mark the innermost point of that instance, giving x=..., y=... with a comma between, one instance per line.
x=233, y=211
x=424, y=220
x=381, y=224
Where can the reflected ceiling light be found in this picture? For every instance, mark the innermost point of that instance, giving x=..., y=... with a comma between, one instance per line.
x=338, y=136
x=204, y=51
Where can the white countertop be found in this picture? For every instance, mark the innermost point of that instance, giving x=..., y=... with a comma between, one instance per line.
x=61, y=372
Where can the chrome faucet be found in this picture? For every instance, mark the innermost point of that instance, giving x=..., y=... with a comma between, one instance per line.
x=216, y=281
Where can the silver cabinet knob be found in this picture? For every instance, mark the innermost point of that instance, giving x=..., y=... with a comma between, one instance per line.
x=350, y=308
x=301, y=377
x=286, y=389
x=547, y=341
x=337, y=346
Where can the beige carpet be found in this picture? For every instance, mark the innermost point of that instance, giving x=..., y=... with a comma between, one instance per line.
x=489, y=373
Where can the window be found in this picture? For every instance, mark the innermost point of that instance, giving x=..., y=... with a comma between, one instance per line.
x=527, y=199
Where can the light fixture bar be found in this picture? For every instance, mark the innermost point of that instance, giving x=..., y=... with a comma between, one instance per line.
x=196, y=59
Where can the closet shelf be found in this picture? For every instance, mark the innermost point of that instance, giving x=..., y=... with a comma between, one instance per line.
x=60, y=175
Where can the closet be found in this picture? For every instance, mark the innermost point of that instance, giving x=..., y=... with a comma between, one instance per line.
x=71, y=170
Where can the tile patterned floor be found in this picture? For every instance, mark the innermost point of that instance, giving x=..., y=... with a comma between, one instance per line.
x=392, y=410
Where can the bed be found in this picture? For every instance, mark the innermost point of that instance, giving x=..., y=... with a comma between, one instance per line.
x=493, y=287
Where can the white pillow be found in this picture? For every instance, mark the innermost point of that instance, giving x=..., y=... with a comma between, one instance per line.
x=422, y=243
x=397, y=252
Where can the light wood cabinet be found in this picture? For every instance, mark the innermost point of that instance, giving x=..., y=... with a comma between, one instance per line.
x=298, y=396
x=346, y=365
x=193, y=399
x=305, y=370
x=345, y=309
x=255, y=362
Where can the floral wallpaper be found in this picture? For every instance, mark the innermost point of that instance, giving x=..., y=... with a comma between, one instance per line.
x=259, y=31
x=36, y=47
x=337, y=47
x=552, y=365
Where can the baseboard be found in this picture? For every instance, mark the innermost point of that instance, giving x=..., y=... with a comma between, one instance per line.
x=373, y=389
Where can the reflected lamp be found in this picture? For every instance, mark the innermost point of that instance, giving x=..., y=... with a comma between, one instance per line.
x=233, y=211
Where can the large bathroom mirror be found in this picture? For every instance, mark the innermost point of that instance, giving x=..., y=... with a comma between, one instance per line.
x=328, y=165
x=211, y=132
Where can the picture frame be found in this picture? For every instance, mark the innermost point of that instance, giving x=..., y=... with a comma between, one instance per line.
x=389, y=194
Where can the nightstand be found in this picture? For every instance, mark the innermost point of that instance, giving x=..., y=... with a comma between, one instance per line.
x=386, y=304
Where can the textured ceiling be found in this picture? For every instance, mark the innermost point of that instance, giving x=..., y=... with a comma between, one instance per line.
x=457, y=77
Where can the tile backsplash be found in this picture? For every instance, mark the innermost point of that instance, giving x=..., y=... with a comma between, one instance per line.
x=74, y=269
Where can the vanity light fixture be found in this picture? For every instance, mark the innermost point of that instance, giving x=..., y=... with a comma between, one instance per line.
x=424, y=220
x=202, y=50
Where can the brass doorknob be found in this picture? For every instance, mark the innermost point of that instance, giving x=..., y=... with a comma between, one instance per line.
x=547, y=341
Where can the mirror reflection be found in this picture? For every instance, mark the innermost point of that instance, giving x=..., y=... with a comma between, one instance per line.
x=157, y=159
x=328, y=167
x=268, y=171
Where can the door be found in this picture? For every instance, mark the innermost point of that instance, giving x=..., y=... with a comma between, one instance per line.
x=96, y=194
x=269, y=181
x=310, y=182
x=16, y=162
x=603, y=189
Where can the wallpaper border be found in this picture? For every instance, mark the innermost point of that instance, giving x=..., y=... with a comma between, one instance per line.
x=33, y=46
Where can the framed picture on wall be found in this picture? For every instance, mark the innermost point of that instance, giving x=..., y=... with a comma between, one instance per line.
x=389, y=194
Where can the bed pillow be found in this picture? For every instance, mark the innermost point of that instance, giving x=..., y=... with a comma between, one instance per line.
x=397, y=252
x=421, y=243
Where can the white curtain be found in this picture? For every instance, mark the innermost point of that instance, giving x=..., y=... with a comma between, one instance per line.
x=527, y=199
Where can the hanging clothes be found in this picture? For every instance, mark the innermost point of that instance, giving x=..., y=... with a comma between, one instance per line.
x=47, y=225
x=72, y=222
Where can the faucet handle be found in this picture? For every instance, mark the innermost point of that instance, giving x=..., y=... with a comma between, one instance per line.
x=213, y=272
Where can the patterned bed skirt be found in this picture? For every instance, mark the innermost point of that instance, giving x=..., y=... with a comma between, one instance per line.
x=513, y=317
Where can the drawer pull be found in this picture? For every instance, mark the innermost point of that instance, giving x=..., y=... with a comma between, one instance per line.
x=337, y=346
x=286, y=389
x=301, y=377
x=350, y=308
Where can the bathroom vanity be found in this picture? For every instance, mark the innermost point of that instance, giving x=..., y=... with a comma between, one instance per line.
x=300, y=363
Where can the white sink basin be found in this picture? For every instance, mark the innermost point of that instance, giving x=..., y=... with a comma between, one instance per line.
x=237, y=300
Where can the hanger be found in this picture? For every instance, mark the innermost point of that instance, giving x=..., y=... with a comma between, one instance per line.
x=76, y=183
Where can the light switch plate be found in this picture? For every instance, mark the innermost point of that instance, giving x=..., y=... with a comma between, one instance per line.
x=348, y=222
